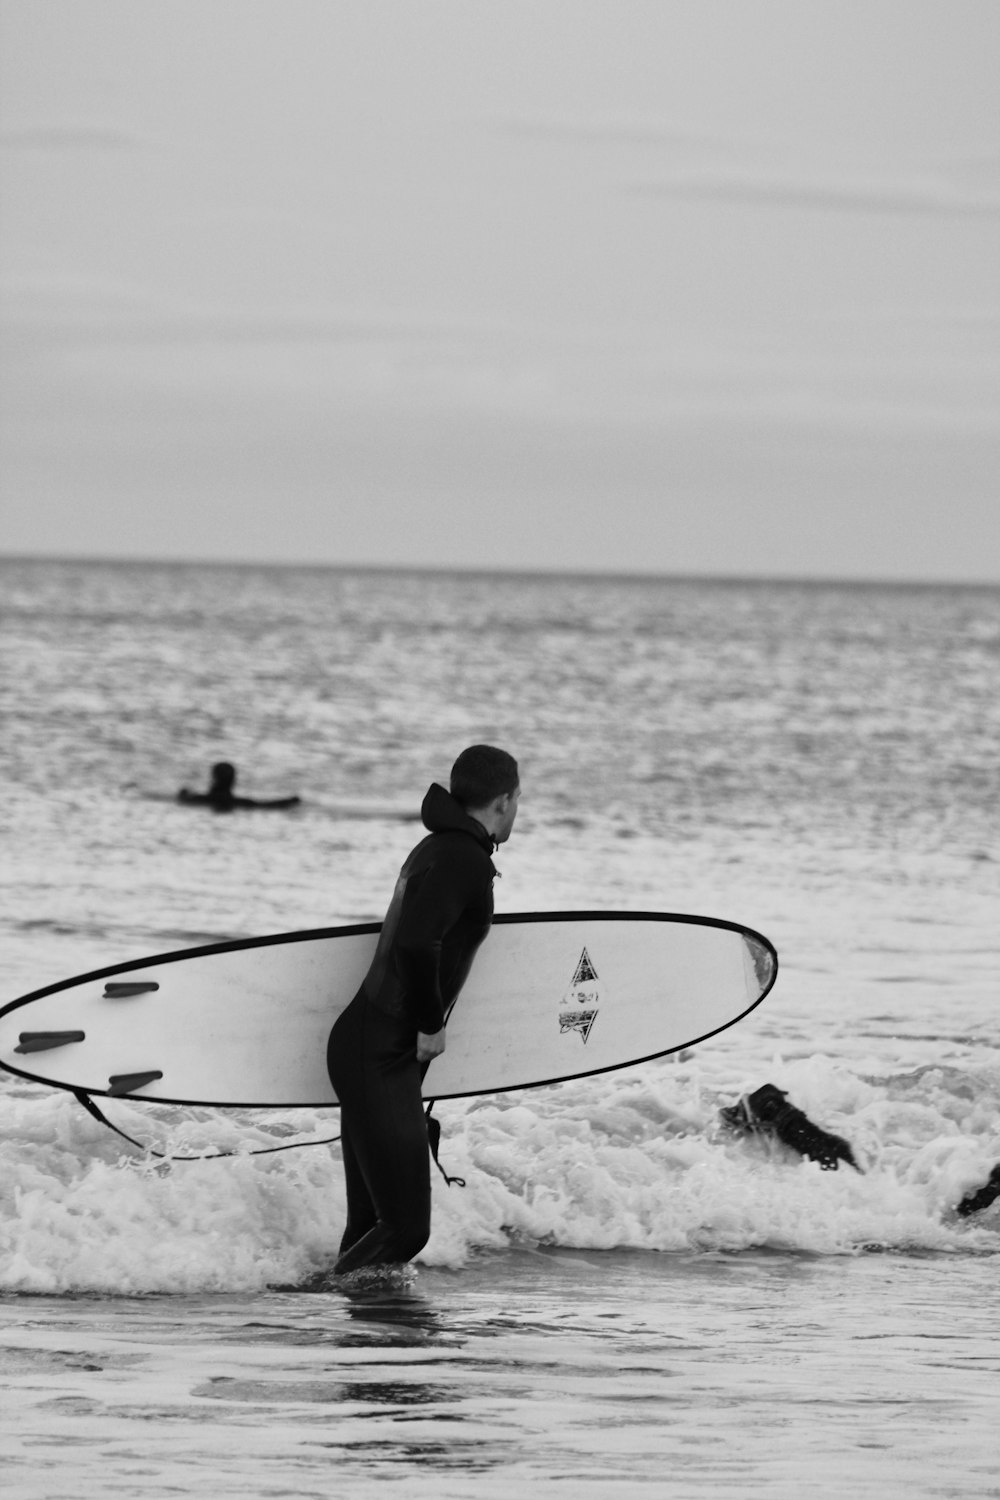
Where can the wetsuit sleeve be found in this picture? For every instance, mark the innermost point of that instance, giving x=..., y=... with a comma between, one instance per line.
x=435, y=901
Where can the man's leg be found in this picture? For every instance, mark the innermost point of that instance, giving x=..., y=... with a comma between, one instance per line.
x=361, y=1215
x=388, y=1147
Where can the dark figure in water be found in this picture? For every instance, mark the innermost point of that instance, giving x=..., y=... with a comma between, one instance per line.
x=220, y=796
x=767, y=1112
x=972, y=1203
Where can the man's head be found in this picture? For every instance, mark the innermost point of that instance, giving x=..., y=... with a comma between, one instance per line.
x=485, y=782
x=223, y=776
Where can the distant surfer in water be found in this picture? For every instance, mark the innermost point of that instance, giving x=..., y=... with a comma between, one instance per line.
x=220, y=796
x=767, y=1112
x=973, y=1202
x=383, y=1043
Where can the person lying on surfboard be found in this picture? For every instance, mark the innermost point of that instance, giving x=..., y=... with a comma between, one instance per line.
x=220, y=796
x=382, y=1044
x=767, y=1112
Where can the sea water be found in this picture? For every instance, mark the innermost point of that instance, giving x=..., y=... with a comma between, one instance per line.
x=625, y=1297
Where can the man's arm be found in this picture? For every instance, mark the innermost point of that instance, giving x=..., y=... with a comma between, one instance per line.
x=435, y=900
x=429, y=1047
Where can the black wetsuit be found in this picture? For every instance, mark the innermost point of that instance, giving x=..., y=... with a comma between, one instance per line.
x=440, y=912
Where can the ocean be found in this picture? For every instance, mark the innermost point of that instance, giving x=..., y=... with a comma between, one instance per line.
x=626, y=1298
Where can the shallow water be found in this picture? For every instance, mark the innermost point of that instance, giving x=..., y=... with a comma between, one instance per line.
x=625, y=1295
x=541, y=1373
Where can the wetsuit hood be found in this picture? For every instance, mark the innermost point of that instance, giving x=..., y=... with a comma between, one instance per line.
x=442, y=814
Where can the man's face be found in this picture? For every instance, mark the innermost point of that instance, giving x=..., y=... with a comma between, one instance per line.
x=508, y=813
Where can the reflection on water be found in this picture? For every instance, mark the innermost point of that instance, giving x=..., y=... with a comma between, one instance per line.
x=328, y=1392
x=395, y=1393
x=398, y=1319
x=467, y=1456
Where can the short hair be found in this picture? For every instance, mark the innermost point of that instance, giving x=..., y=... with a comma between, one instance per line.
x=223, y=774
x=482, y=773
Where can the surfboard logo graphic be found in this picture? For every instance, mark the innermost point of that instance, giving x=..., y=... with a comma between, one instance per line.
x=578, y=1009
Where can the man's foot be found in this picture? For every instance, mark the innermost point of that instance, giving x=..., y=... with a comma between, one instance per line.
x=394, y=1276
x=319, y=1281
x=397, y=1276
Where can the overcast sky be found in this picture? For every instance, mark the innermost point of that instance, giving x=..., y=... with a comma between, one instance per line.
x=696, y=286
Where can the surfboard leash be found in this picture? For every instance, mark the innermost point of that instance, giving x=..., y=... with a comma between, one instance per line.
x=434, y=1141
x=95, y=1110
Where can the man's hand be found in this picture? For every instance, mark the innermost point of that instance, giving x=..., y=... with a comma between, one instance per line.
x=430, y=1044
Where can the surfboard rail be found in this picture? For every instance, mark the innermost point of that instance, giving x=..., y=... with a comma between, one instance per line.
x=553, y=995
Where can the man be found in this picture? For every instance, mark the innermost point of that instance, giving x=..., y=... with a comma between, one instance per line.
x=382, y=1044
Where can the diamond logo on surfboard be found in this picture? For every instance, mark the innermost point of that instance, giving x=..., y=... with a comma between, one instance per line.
x=578, y=1009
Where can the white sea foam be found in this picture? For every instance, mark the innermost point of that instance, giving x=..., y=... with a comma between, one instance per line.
x=619, y=1162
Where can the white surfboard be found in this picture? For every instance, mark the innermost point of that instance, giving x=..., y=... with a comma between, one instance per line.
x=551, y=996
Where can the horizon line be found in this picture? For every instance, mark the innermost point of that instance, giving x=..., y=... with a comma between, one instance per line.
x=513, y=572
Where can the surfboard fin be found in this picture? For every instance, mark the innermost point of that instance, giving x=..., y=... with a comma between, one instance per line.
x=127, y=1083
x=43, y=1041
